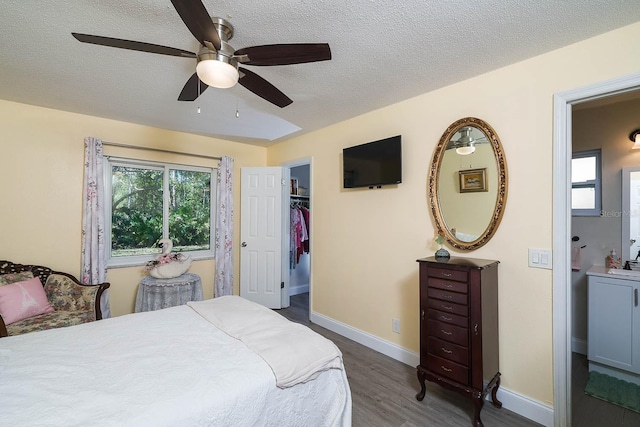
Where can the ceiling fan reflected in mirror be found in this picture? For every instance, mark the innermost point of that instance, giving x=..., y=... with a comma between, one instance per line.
x=466, y=143
x=217, y=62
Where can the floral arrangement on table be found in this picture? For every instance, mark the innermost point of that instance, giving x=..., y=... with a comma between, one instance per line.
x=165, y=259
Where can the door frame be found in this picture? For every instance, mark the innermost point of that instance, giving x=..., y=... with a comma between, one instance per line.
x=292, y=164
x=562, y=152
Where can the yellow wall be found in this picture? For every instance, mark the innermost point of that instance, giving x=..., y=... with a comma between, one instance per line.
x=41, y=167
x=365, y=242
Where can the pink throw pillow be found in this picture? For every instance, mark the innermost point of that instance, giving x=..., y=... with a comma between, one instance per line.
x=21, y=300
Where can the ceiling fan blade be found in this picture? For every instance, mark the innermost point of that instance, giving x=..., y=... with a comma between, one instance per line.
x=263, y=88
x=284, y=54
x=132, y=45
x=192, y=89
x=197, y=19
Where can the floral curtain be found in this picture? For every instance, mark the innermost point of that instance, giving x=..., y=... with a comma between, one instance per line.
x=223, y=281
x=94, y=259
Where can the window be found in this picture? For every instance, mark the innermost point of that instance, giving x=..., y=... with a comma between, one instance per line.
x=586, y=199
x=150, y=201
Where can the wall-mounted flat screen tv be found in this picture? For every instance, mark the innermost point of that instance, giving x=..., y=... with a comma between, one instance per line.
x=373, y=164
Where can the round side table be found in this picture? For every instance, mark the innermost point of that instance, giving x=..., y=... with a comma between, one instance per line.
x=155, y=294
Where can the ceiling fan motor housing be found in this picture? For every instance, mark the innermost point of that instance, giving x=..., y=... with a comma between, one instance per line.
x=224, y=28
x=225, y=54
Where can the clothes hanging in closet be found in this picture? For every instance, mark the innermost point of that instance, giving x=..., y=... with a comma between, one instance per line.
x=299, y=241
x=306, y=216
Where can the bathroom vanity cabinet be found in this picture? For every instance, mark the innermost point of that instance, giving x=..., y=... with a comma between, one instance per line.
x=459, y=328
x=613, y=325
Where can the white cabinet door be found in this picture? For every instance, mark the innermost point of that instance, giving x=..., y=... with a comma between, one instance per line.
x=614, y=323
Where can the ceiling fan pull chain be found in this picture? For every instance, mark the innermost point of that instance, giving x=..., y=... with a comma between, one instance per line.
x=198, y=94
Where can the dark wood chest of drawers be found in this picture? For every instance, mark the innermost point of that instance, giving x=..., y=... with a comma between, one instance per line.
x=459, y=328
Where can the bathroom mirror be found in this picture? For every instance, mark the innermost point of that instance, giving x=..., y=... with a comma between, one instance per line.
x=467, y=183
x=630, y=214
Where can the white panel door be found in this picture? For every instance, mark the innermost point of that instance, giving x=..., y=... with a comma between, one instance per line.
x=261, y=235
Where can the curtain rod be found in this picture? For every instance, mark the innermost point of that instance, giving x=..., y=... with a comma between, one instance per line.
x=136, y=147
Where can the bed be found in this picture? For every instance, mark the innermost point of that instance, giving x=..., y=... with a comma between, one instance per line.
x=219, y=362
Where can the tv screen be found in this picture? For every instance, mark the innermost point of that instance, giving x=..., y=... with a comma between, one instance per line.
x=373, y=164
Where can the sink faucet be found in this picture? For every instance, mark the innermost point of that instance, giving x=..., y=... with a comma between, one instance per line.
x=627, y=264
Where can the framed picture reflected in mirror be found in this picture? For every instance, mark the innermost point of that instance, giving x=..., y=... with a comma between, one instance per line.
x=473, y=180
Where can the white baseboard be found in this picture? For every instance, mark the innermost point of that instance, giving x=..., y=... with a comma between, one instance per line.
x=578, y=346
x=512, y=401
x=381, y=346
x=300, y=289
x=526, y=407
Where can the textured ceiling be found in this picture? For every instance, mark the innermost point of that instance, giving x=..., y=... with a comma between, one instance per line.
x=383, y=52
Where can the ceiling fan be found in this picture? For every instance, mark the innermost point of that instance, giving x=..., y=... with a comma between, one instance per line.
x=466, y=144
x=217, y=61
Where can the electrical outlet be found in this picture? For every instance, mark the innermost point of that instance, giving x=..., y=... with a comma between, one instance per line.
x=395, y=325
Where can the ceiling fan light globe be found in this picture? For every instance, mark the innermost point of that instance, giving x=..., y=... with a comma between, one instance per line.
x=465, y=151
x=217, y=73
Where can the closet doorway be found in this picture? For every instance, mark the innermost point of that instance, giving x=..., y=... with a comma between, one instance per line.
x=299, y=253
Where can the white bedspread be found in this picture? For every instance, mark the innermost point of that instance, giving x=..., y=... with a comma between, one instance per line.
x=163, y=368
x=294, y=352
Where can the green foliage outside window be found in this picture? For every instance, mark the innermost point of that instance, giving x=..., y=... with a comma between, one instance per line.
x=137, y=209
x=189, y=209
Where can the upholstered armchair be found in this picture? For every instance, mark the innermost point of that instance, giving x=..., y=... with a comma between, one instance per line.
x=68, y=302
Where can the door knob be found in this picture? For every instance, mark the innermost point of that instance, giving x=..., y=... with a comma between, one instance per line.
x=244, y=244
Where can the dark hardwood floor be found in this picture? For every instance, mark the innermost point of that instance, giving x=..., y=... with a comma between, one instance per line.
x=383, y=389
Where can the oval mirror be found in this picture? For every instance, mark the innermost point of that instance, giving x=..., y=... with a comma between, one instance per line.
x=468, y=183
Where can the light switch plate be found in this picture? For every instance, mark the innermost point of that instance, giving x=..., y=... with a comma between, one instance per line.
x=540, y=258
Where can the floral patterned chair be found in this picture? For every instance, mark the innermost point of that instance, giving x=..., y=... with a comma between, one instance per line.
x=73, y=303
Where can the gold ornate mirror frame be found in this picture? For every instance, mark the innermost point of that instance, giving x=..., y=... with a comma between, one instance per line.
x=434, y=180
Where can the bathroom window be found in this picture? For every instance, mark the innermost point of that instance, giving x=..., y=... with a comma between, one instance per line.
x=586, y=188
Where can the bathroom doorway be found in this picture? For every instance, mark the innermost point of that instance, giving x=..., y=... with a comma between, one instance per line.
x=562, y=292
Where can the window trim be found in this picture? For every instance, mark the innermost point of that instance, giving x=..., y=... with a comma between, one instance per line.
x=140, y=260
x=596, y=183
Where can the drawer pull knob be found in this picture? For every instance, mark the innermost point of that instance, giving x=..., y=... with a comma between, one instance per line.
x=447, y=307
x=447, y=274
x=446, y=332
x=444, y=350
x=422, y=315
x=448, y=286
x=446, y=319
x=447, y=296
x=444, y=368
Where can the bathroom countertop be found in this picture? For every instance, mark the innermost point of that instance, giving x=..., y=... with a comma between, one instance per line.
x=602, y=271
